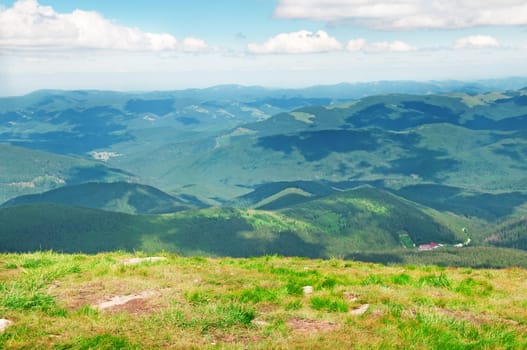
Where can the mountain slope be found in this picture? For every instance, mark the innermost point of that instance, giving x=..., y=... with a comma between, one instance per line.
x=24, y=171
x=473, y=142
x=333, y=225
x=116, y=196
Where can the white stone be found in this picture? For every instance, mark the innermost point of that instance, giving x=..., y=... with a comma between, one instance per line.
x=135, y=261
x=260, y=323
x=123, y=299
x=361, y=310
x=307, y=290
x=4, y=323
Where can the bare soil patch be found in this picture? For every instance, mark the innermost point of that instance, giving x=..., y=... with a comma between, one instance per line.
x=303, y=325
x=133, y=303
x=134, y=307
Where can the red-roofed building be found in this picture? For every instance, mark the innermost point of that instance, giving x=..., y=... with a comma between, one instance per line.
x=428, y=246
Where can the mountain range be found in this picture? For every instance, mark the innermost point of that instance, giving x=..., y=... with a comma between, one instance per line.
x=231, y=170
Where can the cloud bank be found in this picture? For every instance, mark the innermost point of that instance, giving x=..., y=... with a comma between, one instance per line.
x=362, y=45
x=408, y=14
x=306, y=42
x=476, y=42
x=301, y=42
x=27, y=24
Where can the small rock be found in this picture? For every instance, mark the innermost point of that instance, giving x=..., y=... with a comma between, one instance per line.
x=361, y=310
x=260, y=323
x=4, y=323
x=307, y=290
x=135, y=261
x=123, y=299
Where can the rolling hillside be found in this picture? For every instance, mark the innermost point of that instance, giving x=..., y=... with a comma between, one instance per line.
x=375, y=174
x=472, y=142
x=24, y=171
x=333, y=225
x=122, y=197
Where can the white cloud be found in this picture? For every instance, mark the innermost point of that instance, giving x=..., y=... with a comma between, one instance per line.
x=356, y=45
x=476, y=42
x=408, y=14
x=361, y=45
x=27, y=24
x=192, y=44
x=300, y=42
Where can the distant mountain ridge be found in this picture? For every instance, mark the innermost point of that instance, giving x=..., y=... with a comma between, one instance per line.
x=122, y=197
x=276, y=173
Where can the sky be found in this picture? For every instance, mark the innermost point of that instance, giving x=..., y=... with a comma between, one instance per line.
x=176, y=44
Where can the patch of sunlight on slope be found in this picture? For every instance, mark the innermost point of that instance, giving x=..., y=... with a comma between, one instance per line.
x=480, y=100
x=224, y=140
x=361, y=204
x=285, y=192
x=303, y=117
x=121, y=204
x=342, y=106
x=274, y=221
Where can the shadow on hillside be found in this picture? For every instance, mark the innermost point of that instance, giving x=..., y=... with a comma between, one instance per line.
x=414, y=113
x=67, y=229
x=92, y=128
x=94, y=173
x=516, y=152
x=317, y=145
x=383, y=258
x=159, y=107
x=425, y=163
x=482, y=205
x=227, y=236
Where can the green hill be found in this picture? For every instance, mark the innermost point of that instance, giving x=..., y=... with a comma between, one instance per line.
x=334, y=225
x=472, y=142
x=277, y=195
x=371, y=218
x=123, y=197
x=432, y=168
x=24, y=171
x=511, y=234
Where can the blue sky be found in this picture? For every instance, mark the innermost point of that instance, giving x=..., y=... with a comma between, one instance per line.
x=163, y=44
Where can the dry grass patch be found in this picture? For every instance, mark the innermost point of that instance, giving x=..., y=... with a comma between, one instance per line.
x=256, y=303
x=302, y=325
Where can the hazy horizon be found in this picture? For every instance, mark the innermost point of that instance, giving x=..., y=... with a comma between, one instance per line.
x=166, y=45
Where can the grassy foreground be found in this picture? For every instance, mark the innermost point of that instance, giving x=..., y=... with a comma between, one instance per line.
x=61, y=301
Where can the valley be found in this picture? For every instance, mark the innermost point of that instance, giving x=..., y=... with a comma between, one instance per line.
x=247, y=171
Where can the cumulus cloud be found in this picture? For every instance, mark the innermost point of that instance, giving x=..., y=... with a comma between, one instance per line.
x=300, y=42
x=356, y=45
x=408, y=14
x=192, y=44
x=362, y=45
x=27, y=24
x=476, y=42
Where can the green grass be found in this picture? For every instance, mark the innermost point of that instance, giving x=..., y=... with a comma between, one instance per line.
x=329, y=304
x=256, y=303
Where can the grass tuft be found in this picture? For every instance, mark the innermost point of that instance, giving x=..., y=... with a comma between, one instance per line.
x=99, y=342
x=440, y=281
x=329, y=304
